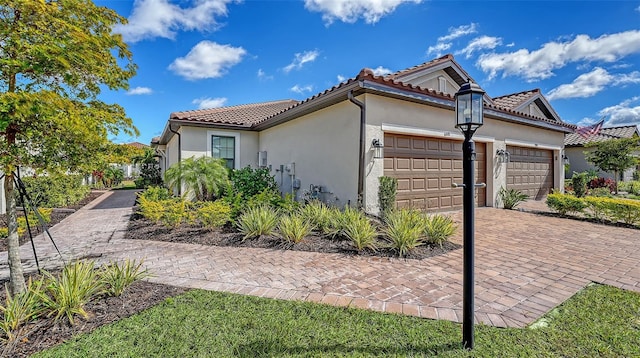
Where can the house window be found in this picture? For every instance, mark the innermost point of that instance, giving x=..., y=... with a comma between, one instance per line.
x=225, y=148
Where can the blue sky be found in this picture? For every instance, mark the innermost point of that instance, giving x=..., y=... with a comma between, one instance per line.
x=583, y=55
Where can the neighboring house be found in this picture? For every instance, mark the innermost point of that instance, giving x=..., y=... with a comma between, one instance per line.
x=575, y=148
x=324, y=145
x=131, y=170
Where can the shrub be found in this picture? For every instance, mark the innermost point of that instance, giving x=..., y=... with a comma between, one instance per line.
x=602, y=183
x=151, y=209
x=294, y=228
x=579, y=183
x=357, y=228
x=267, y=197
x=600, y=192
x=67, y=295
x=175, y=212
x=625, y=210
x=440, y=228
x=45, y=214
x=116, y=277
x=565, y=204
x=258, y=221
x=214, y=214
x=20, y=309
x=155, y=193
x=599, y=207
x=405, y=230
x=387, y=194
x=249, y=182
x=55, y=190
x=511, y=198
x=317, y=213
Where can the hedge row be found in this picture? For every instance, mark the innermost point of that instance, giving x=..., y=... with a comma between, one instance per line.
x=599, y=208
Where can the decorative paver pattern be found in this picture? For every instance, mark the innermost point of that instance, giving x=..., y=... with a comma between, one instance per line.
x=526, y=264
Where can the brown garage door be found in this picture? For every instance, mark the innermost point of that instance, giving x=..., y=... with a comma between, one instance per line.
x=426, y=168
x=530, y=171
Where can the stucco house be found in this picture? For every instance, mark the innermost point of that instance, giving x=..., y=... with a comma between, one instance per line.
x=575, y=147
x=326, y=145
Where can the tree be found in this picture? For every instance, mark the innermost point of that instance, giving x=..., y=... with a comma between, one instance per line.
x=149, y=168
x=55, y=57
x=202, y=178
x=613, y=155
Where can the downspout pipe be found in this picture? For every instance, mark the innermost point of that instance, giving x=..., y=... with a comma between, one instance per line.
x=179, y=155
x=363, y=117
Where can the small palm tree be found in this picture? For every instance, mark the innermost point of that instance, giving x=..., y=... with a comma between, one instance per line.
x=201, y=178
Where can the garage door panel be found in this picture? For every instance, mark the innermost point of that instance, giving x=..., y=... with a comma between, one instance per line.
x=436, y=165
x=530, y=171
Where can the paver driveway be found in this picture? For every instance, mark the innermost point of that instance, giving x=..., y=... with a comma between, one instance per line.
x=526, y=264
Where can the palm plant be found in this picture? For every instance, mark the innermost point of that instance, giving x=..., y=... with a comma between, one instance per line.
x=201, y=178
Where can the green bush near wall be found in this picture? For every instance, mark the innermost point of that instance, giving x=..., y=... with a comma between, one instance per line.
x=600, y=208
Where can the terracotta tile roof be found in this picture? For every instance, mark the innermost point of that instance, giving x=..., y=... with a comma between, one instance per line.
x=242, y=115
x=576, y=140
x=514, y=100
x=137, y=145
x=367, y=74
x=428, y=64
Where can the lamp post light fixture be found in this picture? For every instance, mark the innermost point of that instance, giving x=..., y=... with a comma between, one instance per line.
x=469, y=117
x=565, y=159
x=377, y=148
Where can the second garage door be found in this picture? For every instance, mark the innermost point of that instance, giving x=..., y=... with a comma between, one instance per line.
x=530, y=171
x=426, y=167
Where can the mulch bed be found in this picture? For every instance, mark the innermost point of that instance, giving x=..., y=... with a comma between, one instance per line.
x=56, y=217
x=143, y=229
x=46, y=333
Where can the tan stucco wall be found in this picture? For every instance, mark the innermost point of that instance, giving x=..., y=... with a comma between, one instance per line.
x=324, y=147
x=196, y=142
x=431, y=81
x=387, y=114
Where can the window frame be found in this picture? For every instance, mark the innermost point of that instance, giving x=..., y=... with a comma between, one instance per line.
x=236, y=136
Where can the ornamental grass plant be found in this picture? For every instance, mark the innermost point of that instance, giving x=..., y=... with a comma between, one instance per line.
x=258, y=221
x=405, y=230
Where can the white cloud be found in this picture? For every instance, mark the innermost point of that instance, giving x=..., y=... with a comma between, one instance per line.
x=263, y=75
x=300, y=59
x=510, y=44
x=480, y=43
x=208, y=102
x=341, y=78
x=540, y=64
x=160, y=18
x=589, y=84
x=207, y=60
x=381, y=71
x=139, y=90
x=623, y=113
x=443, y=43
x=455, y=32
x=301, y=89
x=438, y=49
x=638, y=9
x=351, y=10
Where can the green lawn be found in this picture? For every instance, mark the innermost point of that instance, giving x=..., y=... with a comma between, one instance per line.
x=598, y=322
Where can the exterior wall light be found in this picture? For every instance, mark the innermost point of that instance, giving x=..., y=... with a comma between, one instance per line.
x=503, y=156
x=469, y=117
x=377, y=149
x=565, y=159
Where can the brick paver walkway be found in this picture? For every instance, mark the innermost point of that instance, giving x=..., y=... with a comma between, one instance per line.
x=526, y=264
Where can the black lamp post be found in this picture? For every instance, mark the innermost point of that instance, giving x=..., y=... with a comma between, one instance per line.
x=469, y=118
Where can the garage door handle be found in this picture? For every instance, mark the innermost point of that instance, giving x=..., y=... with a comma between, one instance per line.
x=478, y=185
